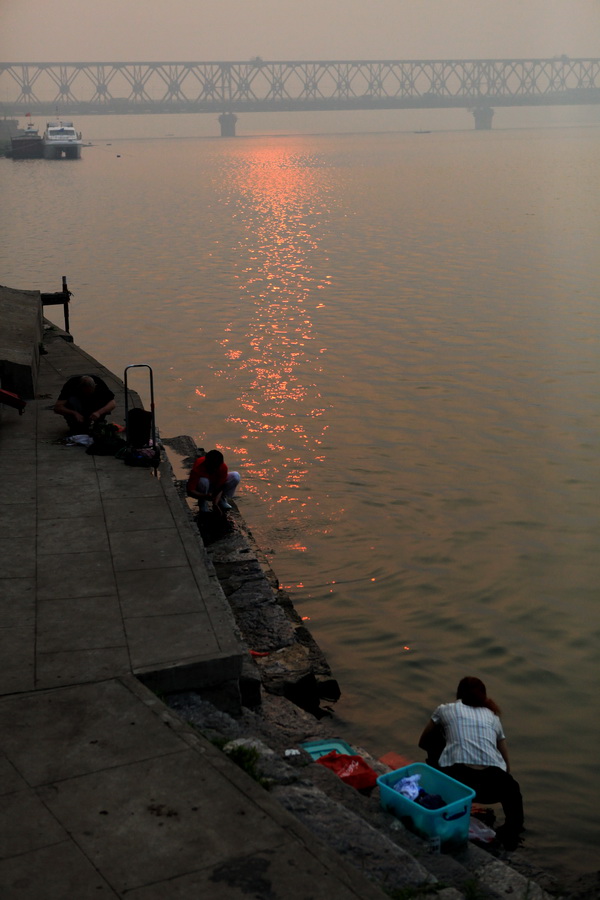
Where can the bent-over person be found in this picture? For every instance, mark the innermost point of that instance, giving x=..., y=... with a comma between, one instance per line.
x=476, y=754
x=83, y=401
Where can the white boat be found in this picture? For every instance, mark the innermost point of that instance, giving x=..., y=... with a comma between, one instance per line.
x=61, y=139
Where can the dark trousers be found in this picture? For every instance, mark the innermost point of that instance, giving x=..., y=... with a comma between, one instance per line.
x=83, y=409
x=493, y=785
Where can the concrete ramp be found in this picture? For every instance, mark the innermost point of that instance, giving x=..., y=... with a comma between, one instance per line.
x=20, y=338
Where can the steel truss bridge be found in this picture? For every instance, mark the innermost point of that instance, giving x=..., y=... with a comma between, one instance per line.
x=258, y=85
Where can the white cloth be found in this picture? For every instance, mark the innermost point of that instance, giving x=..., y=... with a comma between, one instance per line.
x=409, y=786
x=84, y=439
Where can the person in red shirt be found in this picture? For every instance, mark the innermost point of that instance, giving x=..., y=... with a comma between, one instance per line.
x=211, y=480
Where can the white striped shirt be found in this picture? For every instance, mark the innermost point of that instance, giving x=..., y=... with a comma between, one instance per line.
x=472, y=734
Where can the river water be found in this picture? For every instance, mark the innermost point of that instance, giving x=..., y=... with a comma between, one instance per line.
x=394, y=338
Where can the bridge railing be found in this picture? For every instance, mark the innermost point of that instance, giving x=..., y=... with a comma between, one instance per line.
x=260, y=85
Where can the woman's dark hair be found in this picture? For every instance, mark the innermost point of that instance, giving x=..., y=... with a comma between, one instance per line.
x=472, y=692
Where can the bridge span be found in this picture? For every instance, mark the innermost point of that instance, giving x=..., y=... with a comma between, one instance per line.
x=257, y=85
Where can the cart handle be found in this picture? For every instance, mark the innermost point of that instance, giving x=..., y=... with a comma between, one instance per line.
x=152, y=408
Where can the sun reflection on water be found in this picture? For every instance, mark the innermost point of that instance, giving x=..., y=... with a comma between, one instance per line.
x=279, y=197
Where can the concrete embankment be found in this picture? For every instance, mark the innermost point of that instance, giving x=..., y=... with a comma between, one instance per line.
x=106, y=590
x=105, y=790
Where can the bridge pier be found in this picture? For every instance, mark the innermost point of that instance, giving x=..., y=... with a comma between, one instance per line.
x=227, y=122
x=483, y=116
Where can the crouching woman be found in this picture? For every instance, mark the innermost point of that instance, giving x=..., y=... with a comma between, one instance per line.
x=476, y=754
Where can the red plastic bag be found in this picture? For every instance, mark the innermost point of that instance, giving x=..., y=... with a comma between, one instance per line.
x=351, y=769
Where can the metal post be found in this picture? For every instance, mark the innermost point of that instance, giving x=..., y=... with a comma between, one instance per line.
x=59, y=298
x=66, y=294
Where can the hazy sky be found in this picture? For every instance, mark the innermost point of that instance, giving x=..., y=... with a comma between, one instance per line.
x=195, y=30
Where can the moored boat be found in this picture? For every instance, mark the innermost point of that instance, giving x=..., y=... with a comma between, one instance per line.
x=61, y=140
x=27, y=143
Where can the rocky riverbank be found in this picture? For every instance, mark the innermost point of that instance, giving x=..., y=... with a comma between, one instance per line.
x=287, y=690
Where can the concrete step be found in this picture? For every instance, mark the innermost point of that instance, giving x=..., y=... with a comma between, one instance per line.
x=347, y=821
